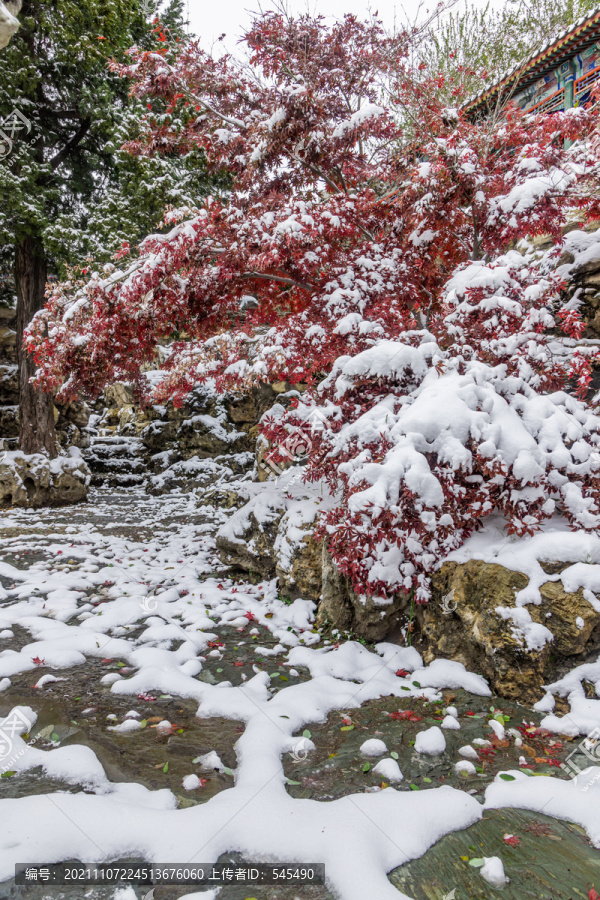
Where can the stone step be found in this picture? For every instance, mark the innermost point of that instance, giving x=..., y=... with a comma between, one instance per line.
x=116, y=439
x=113, y=479
x=116, y=460
x=118, y=466
x=117, y=451
x=121, y=441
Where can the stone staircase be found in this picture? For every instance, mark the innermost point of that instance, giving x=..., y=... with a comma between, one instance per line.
x=115, y=460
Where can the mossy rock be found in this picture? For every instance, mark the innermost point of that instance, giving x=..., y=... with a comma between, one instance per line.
x=475, y=634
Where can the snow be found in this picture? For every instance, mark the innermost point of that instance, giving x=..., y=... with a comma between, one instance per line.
x=430, y=742
x=584, y=247
x=389, y=771
x=369, y=110
x=373, y=747
x=497, y=728
x=469, y=752
x=209, y=761
x=524, y=196
x=584, y=712
x=464, y=767
x=170, y=581
x=451, y=723
x=574, y=800
x=493, y=871
x=287, y=502
x=126, y=727
x=191, y=782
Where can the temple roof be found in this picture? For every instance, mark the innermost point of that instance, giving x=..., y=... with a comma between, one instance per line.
x=572, y=40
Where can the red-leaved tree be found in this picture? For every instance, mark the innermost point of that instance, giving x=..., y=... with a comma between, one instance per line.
x=381, y=271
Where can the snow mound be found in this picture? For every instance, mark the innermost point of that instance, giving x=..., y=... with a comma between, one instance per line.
x=389, y=771
x=373, y=747
x=430, y=742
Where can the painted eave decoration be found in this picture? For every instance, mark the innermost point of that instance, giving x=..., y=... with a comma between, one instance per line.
x=583, y=34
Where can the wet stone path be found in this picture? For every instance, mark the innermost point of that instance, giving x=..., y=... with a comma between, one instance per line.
x=124, y=641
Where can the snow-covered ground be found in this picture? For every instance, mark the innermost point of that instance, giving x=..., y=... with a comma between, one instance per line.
x=133, y=582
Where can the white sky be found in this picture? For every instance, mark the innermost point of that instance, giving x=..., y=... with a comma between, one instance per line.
x=210, y=18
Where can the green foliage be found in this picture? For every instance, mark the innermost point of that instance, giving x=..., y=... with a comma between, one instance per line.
x=65, y=177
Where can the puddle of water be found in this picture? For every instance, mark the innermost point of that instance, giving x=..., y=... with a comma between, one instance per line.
x=153, y=759
x=337, y=768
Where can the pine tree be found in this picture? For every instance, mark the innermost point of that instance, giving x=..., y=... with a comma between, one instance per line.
x=67, y=190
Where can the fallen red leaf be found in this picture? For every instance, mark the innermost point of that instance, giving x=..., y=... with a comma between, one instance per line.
x=405, y=715
x=402, y=673
x=512, y=840
x=38, y=661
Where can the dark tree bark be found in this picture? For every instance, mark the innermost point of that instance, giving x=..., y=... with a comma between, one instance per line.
x=37, y=431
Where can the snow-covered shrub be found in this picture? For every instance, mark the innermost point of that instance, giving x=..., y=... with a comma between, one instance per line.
x=425, y=441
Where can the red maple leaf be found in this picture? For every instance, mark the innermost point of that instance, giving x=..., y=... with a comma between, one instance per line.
x=214, y=644
x=593, y=894
x=402, y=673
x=38, y=661
x=512, y=840
x=238, y=663
x=250, y=616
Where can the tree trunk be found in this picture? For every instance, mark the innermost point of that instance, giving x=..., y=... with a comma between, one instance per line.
x=37, y=432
